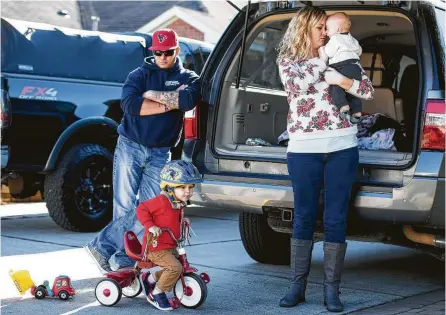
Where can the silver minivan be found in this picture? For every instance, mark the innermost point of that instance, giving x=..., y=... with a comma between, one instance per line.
x=234, y=136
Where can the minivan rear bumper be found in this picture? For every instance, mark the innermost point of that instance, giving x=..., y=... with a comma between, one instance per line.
x=409, y=204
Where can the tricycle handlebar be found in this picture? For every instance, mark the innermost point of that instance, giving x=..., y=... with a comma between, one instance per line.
x=171, y=235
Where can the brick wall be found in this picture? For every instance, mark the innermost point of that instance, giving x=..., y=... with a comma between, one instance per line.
x=186, y=30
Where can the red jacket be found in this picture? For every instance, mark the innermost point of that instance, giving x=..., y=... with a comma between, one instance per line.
x=158, y=211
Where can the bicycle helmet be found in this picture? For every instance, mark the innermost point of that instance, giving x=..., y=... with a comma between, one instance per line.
x=179, y=173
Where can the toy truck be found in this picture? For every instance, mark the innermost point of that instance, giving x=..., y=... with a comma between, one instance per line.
x=61, y=287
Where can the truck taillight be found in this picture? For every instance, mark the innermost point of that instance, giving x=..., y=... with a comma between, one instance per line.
x=5, y=112
x=4, y=120
x=191, y=124
x=434, y=126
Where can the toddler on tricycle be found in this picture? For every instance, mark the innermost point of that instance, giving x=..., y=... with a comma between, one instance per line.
x=166, y=231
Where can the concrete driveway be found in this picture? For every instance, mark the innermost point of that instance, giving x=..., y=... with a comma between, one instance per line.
x=374, y=273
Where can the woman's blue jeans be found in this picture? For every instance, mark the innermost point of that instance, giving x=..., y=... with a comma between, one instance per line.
x=333, y=172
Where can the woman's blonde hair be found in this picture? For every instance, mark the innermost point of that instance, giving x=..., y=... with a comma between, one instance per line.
x=296, y=43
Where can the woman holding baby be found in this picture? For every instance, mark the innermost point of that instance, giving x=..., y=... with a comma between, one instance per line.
x=322, y=151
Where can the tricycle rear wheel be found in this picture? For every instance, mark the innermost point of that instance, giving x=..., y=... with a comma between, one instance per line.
x=108, y=292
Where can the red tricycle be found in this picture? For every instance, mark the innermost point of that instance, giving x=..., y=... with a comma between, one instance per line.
x=189, y=291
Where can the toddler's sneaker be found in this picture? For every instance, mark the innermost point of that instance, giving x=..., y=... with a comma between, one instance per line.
x=146, y=285
x=160, y=301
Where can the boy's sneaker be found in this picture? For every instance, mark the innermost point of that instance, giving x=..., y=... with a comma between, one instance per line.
x=160, y=301
x=146, y=285
x=99, y=260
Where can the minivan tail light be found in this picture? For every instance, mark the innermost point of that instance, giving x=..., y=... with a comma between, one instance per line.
x=434, y=126
x=191, y=124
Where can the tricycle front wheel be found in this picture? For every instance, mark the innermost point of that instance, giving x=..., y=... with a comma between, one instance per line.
x=195, y=293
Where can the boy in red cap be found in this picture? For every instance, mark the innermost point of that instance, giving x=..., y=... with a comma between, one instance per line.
x=154, y=99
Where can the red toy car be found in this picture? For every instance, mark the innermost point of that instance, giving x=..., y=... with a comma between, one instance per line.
x=61, y=288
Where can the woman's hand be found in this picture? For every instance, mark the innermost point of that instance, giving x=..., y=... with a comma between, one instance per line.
x=332, y=77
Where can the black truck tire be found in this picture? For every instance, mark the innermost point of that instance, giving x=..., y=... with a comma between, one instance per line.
x=79, y=192
x=262, y=243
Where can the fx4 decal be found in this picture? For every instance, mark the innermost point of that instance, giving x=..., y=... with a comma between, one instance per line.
x=38, y=93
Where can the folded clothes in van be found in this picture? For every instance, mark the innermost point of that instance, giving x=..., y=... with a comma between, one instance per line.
x=380, y=140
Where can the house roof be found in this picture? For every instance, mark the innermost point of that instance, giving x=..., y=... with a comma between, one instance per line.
x=46, y=12
x=200, y=21
x=211, y=24
x=124, y=16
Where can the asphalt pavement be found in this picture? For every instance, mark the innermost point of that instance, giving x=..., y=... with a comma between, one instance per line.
x=378, y=279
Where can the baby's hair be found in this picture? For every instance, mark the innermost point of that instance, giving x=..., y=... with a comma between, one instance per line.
x=343, y=18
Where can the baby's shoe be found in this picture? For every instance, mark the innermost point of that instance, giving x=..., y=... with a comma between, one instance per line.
x=355, y=119
x=344, y=114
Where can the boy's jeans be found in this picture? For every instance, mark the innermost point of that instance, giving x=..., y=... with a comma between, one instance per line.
x=136, y=171
x=335, y=172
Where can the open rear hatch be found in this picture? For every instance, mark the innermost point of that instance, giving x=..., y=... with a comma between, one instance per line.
x=249, y=105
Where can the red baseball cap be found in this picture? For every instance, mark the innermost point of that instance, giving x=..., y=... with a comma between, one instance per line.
x=164, y=40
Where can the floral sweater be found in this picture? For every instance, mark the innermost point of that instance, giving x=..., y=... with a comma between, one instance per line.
x=312, y=114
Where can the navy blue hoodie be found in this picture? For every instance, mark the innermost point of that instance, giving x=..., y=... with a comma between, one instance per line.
x=161, y=130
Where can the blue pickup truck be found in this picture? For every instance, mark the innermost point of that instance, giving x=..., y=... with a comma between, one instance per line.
x=60, y=108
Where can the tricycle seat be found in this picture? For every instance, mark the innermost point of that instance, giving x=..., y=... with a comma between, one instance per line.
x=133, y=249
x=132, y=246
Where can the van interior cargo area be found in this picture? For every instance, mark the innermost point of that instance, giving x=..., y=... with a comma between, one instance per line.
x=252, y=119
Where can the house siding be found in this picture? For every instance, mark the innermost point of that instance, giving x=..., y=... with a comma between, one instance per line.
x=184, y=29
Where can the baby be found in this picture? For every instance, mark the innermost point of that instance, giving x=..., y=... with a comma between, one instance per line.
x=343, y=53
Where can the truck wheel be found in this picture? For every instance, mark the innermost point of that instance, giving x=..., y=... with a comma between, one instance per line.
x=79, y=191
x=63, y=295
x=261, y=242
x=40, y=293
